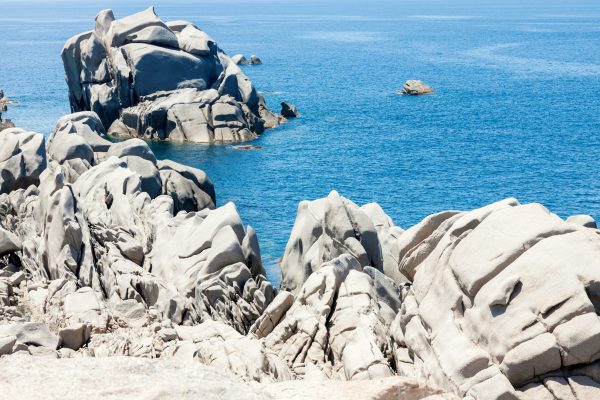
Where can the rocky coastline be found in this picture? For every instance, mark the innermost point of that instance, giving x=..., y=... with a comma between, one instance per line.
x=121, y=270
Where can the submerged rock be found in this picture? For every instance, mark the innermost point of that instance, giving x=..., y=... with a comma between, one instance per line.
x=416, y=87
x=196, y=94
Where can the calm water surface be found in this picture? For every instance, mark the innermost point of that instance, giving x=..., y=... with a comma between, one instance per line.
x=515, y=112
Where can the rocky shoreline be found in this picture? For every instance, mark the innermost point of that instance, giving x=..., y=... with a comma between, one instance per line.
x=120, y=271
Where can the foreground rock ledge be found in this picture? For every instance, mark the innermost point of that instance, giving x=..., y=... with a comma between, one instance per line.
x=163, y=81
x=106, y=251
x=143, y=378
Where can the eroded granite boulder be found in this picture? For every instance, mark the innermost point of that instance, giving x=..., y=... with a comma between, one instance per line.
x=196, y=94
x=336, y=323
x=502, y=303
x=327, y=228
x=22, y=159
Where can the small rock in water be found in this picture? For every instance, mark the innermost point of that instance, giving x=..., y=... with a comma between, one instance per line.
x=416, y=87
x=288, y=110
x=240, y=59
x=255, y=60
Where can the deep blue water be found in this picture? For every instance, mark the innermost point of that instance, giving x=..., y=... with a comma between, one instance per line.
x=515, y=112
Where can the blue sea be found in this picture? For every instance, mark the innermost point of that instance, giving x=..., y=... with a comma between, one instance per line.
x=516, y=108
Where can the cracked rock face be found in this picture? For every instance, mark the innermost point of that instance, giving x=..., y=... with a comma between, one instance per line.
x=197, y=93
x=514, y=288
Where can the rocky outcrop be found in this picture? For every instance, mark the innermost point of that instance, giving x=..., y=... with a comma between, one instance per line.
x=327, y=228
x=4, y=101
x=197, y=93
x=502, y=303
x=107, y=237
x=416, y=87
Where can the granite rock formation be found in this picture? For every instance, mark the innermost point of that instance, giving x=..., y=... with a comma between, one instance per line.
x=98, y=236
x=107, y=251
x=165, y=81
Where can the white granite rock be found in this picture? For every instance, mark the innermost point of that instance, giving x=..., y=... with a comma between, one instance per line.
x=112, y=71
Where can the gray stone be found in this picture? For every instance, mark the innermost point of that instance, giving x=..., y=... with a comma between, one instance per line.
x=22, y=159
x=254, y=60
x=416, y=87
x=6, y=344
x=113, y=72
x=239, y=59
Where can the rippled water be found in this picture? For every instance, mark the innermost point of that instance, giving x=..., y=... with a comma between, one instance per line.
x=515, y=112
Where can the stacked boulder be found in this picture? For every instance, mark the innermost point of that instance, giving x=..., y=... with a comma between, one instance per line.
x=166, y=81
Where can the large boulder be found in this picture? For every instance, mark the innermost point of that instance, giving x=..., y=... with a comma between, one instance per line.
x=337, y=323
x=22, y=159
x=197, y=93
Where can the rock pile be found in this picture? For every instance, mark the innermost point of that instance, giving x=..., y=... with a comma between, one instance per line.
x=166, y=81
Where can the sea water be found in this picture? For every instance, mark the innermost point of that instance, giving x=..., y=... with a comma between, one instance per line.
x=516, y=108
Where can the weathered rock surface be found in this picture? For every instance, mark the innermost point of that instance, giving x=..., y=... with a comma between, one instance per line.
x=4, y=101
x=583, y=220
x=197, y=93
x=22, y=159
x=416, y=87
x=502, y=303
x=240, y=59
x=94, y=239
x=327, y=228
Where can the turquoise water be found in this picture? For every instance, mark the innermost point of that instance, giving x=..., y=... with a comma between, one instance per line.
x=515, y=112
